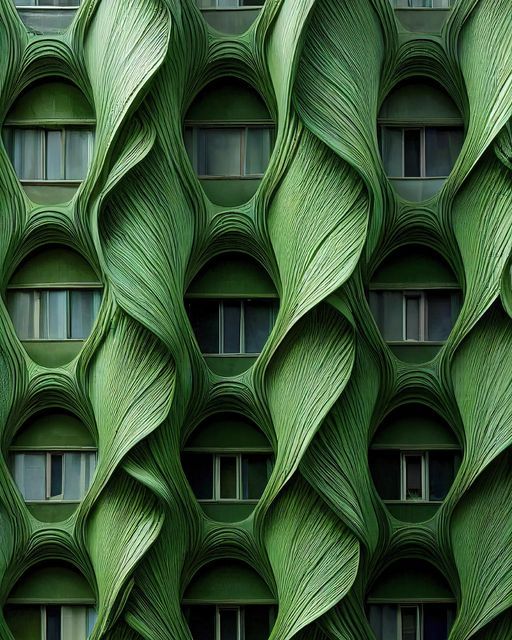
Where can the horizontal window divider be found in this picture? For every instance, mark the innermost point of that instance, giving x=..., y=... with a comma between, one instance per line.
x=229, y=124
x=246, y=8
x=422, y=178
x=423, y=8
x=416, y=343
x=231, y=296
x=228, y=501
x=251, y=177
x=231, y=355
x=51, y=183
x=238, y=601
x=49, y=600
x=228, y=450
x=52, y=501
x=47, y=340
x=404, y=123
x=415, y=447
x=417, y=287
x=51, y=449
x=52, y=123
x=47, y=8
x=56, y=285
x=411, y=601
x=419, y=501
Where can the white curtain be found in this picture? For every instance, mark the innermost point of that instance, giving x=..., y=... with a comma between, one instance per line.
x=78, y=143
x=20, y=305
x=78, y=471
x=30, y=475
x=84, y=305
x=74, y=623
x=257, y=154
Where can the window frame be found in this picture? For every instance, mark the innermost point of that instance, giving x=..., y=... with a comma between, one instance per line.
x=422, y=292
x=239, y=6
x=43, y=607
x=394, y=3
x=419, y=620
x=217, y=454
x=195, y=126
x=423, y=455
x=43, y=129
x=68, y=288
x=49, y=452
x=239, y=620
x=411, y=126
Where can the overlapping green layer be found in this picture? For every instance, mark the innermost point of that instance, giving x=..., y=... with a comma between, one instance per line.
x=323, y=217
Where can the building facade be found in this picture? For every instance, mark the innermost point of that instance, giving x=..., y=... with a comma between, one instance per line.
x=256, y=319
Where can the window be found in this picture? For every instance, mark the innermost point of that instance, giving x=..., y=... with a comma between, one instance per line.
x=229, y=4
x=417, y=316
x=230, y=151
x=225, y=622
x=55, y=475
x=61, y=622
x=53, y=314
x=232, y=326
x=58, y=154
x=421, y=4
x=420, y=152
x=414, y=475
x=47, y=3
x=411, y=621
x=227, y=476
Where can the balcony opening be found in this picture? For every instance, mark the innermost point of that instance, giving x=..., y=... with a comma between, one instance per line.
x=47, y=16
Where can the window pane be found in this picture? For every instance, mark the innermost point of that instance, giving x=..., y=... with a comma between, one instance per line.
x=198, y=468
x=201, y=622
x=53, y=623
x=412, y=151
x=84, y=306
x=441, y=466
x=387, y=309
x=232, y=313
x=383, y=621
x=412, y=317
x=74, y=476
x=413, y=480
x=77, y=153
x=26, y=153
x=30, y=475
x=420, y=4
x=228, y=624
x=409, y=617
x=255, y=468
x=228, y=479
x=257, y=154
x=439, y=315
x=435, y=622
x=90, y=467
x=256, y=618
x=391, y=150
x=442, y=147
x=204, y=318
x=74, y=623
x=54, y=156
x=53, y=316
x=21, y=309
x=258, y=324
x=219, y=152
x=92, y=616
x=55, y=476
x=385, y=469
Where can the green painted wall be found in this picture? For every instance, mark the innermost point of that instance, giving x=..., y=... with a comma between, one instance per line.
x=419, y=103
x=51, y=429
x=52, y=583
x=323, y=218
x=56, y=265
x=410, y=580
x=227, y=430
x=414, y=265
x=24, y=622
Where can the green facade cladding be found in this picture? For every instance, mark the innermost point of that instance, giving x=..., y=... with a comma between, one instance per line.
x=133, y=230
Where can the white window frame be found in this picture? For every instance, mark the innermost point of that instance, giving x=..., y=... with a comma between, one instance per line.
x=48, y=469
x=36, y=291
x=419, y=620
x=243, y=131
x=237, y=6
x=43, y=130
x=423, y=455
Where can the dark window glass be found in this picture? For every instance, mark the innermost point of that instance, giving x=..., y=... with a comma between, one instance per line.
x=442, y=147
x=198, y=468
x=232, y=312
x=228, y=624
x=413, y=479
x=228, y=488
x=255, y=471
x=258, y=324
x=387, y=309
x=53, y=623
x=409, y=617
x=412, y=317
x=201, y=622
x=385, y=468
x=56, y=475
x=257, y=625
x=204, y=318
x=412, y=153
x=435, y=622
x=439, y=314
x=441, y=473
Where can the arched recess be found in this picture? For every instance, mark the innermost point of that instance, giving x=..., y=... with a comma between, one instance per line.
x=232, y=305
x=424, y=16
x=51, y=601
x=414, y=457
x=228, y=461
x=48, y=135
x=230, y=16
x=53, y=299
x=411, y=599
x=47, y=16
x=229, y=599
x=229, y=136
x=420, y=132
x=415, y=300
x=52, y=460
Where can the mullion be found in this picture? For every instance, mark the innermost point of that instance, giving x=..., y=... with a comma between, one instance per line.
x=243, y=154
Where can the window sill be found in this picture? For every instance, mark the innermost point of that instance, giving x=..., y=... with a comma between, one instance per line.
x=422, y=8
x=415, y=343
x=252, y=501
x=245, y=8
x=50, y=340
x=409, y=502
x=51, y=183
x=252, y=177
x=53, y=501
x=46, y=8
x=231, y=355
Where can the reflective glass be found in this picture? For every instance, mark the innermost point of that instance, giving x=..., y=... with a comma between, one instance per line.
x=255, y=469
x=442, y=147
x=441, y=468
x=219, y=152
x=258, y=322
x=391, y=150
x=77, y=153
x=21, y=309
x=439, y=314
x=409, y=619
x=74, y=623
x=92, y=616
x=387, y=309
x=54, y=156
x=198, y=468
x=228, y=624
x=56, y=475
x=84, y=307
x=383, y=621
x=74, y=476
x=232, y=315
x=413, y=478
x=204, y=318
x=228, y=477
x=385, y=469
x=53, y=623
x=30, y=475
x=412, y=317
x=53, y=315
x=412, y=153
x=26, y=154
x=257, y=153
